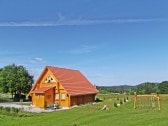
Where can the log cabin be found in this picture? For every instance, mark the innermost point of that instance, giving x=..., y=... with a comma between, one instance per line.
x=65, y=87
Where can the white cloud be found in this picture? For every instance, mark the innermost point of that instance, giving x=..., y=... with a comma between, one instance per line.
x=37, y=60
x=83, y=49
x=63, y=21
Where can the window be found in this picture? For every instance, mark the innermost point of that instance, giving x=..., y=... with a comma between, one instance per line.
x=49, y=79
x=63, y=96
x=56, y=96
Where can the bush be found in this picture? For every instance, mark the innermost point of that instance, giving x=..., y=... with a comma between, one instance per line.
x=29, y=98
x=115, y=104
x=23, y=97
x=121, y=101
x=124, y=100
x=98, y=100
x=16, y=98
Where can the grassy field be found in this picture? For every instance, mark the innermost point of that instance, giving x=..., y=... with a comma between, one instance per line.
x=92, y=115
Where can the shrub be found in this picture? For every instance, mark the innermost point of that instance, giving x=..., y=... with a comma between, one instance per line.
x=121, y=101
x=29, y=98
x=115, y=104
x=98, y=100
x=16, y=98
x=23, y=97
x=124, y=100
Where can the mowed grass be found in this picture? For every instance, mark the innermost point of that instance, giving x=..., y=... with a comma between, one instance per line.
x=93, y=115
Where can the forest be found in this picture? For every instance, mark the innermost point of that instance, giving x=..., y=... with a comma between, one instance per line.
x=144, y=88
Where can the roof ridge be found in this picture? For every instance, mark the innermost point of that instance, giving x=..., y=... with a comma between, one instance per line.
x=61, y=68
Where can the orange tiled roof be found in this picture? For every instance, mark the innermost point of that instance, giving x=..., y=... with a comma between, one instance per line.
x=73, y=81
x=42, y=90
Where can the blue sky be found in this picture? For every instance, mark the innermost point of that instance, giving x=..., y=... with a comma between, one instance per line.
x=112, y=42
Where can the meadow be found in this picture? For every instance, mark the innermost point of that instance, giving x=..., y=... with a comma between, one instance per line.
x=93, y=115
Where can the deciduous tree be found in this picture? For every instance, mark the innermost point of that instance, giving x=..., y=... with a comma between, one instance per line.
x=15, y=79
x=163, y=87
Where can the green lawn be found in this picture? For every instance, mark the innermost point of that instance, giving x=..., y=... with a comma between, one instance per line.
x=92, y=115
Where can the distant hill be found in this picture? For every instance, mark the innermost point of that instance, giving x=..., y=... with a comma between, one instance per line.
x=118, y=86
x=115, y=89
x=143, y=88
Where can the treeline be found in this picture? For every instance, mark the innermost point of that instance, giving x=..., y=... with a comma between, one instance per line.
x=144, y=88
x=115, y=89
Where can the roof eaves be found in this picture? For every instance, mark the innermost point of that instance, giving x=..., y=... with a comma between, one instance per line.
x=76, y=94
x=43, y=91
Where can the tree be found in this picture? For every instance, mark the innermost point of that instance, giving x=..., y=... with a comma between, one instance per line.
x=15, y=79
x=163, y=87
x=147, y=88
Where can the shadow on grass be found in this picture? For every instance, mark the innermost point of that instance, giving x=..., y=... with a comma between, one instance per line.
x=98, y=100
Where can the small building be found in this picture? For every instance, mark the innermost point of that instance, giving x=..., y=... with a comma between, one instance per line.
x=65, y=87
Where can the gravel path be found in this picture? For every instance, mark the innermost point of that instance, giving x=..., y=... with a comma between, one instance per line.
x=28, y=108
